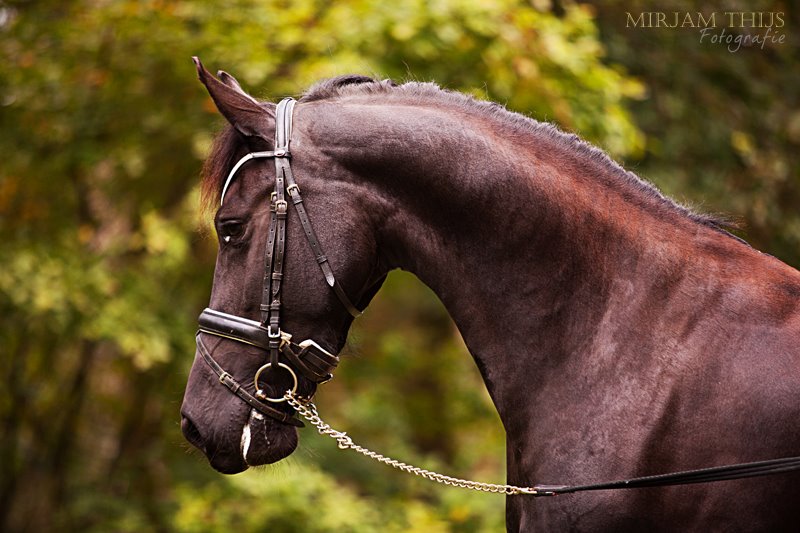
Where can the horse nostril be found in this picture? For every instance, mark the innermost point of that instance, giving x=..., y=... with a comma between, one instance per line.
x=190, y=432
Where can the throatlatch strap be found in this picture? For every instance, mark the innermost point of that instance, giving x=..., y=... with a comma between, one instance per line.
x=313, y=241
x=284, y=178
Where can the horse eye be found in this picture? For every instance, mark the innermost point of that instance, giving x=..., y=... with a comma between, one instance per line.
x=231, y=230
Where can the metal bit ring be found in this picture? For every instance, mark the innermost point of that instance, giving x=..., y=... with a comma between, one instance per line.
x=260, y=392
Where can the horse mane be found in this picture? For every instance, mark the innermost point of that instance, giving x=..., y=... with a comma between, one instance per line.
x=229, y=142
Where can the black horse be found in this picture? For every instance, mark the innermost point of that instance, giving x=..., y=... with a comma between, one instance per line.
x=618, y=333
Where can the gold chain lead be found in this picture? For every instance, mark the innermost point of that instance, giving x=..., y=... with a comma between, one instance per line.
x=308, y=410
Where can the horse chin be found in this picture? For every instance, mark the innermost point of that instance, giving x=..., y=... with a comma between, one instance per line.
x=227, y=465
x=264, y=441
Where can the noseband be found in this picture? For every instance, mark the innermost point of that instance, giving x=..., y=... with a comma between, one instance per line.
x=307, y=358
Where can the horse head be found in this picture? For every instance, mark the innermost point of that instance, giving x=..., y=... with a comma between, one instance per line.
x=276, y=308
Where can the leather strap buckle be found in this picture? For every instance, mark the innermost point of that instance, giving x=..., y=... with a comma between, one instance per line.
x=271, y=335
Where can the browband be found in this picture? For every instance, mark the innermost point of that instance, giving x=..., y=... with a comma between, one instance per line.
x=242, y=161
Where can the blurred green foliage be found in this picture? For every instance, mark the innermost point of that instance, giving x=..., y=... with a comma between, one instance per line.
x=722, y=128
x=106, y=261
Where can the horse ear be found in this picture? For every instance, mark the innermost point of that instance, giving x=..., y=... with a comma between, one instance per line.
x=232, y=82
x=239, y=108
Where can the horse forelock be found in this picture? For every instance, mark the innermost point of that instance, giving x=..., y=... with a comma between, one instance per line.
x=228, y=143
x=219, y=162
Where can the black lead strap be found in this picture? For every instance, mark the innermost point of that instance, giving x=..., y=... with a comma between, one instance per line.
x=703, y=475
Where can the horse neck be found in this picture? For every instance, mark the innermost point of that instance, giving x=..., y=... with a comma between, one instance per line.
x=523, y=241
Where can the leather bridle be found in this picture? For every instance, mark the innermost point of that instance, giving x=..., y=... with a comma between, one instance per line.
x=306, y=358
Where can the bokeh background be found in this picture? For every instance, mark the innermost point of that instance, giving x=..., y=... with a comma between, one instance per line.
x=105, y=260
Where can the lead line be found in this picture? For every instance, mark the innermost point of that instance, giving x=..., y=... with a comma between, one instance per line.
x=308, y=410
